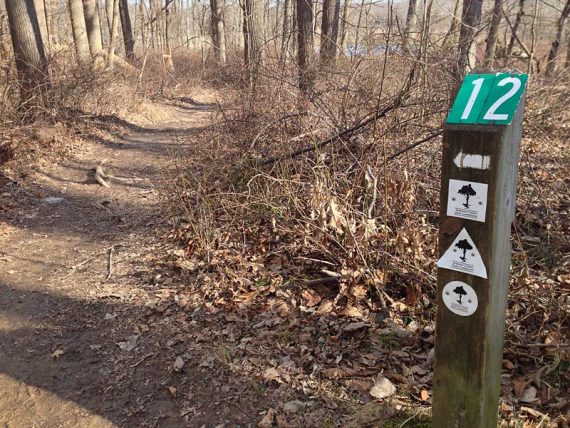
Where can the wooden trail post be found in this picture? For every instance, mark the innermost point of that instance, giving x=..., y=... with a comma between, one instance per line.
x=481, y=148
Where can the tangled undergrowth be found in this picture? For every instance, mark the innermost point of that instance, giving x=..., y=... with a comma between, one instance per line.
x=321, y=211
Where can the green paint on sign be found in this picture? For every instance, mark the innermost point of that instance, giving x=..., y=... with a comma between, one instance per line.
x=490, y=99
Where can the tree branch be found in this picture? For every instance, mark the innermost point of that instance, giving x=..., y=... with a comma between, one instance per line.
x=417, y=143
x=346, y=132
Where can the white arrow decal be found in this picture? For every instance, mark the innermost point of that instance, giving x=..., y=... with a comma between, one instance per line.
x=464, y=160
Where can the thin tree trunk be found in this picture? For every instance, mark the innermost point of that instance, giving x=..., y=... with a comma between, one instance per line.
x=286, y=33
x=41, y=13
x=167, y=53
x=114, y=18
x=109, y=4
x=93, y=25
x=79, y=29
x=555, y=48
x=357, y=35
x=28, y=52
x=329, y=31
x=344, y=31
x=253, y=35
x=305, y=45
x=518, y=19
x=567, y=62
x=470, y=22
x=534, y=37
x=127, y=30
x=218, y=31
x=493, y=34
x=142, y=27
x=411, y=17
x=450, y=37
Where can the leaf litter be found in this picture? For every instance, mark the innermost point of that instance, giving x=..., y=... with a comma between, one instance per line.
x=319, y=335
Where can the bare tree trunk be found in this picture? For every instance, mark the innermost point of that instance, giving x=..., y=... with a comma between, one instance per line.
x=253, y=35
x=114, y=19
x=493, y=34
x=358, y=23
x=411, y=17
x=518, y=19
x=218, y=31
x=28, y=52
x=329, y=31
x=534, y=37
x=555, y=48
x=79, y=29
x=93, y=25
x=286, y=33
x=41, y=13
x=450, y=37
x=167, y=51
x=143, y=27
x=567, y=62
x=305, y=45
x=344, y=31
x=470, y=22
x=127, y=30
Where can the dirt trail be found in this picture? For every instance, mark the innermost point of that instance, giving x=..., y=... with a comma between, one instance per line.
x=66, y=330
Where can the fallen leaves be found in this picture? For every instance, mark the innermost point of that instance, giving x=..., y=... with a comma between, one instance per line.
x=57, y=353
x=129, y=344
x=382, y=388
x=178, y=364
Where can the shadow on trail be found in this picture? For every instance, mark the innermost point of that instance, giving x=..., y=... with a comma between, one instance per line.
x=76, y=354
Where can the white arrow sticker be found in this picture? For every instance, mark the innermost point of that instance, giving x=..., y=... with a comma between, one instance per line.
x=460, y=298
x=463, y=256
x=465, y=160
x=467, y=199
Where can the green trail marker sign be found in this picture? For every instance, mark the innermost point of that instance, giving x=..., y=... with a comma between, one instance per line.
x=481, y=148
x=488, y=99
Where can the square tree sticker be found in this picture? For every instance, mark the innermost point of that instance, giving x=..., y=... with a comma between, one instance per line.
x=467, y=199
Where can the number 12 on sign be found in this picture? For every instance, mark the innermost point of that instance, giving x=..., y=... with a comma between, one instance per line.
x=488, y=99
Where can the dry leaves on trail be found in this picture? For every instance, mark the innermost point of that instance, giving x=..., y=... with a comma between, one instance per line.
x=382, y=388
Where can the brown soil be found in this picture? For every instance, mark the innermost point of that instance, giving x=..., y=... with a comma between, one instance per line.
x=75, y=346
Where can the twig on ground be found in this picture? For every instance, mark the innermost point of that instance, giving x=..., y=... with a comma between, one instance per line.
x=144, y=357
x=84, y=262
x=110, y=262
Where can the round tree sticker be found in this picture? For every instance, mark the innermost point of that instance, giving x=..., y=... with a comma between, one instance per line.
x=460, y=298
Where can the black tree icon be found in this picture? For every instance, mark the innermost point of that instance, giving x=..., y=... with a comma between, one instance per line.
x=467, y=191
x=460, y=291
x=464, y=245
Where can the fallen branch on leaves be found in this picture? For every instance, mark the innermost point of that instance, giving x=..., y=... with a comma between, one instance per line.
x=101, y=177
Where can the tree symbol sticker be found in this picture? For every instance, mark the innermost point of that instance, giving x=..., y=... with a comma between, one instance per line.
x=460, y=291
x=463, y=244
x=453, y=294
x=467, y=191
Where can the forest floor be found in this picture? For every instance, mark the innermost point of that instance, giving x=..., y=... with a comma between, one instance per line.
x=101, y=324
x=76, y=349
